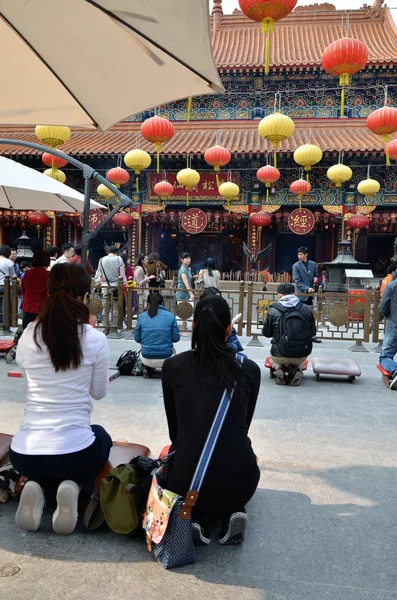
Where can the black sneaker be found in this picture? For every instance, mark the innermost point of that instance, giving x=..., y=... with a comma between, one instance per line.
x=232, y=533
x=316, y=340
x=200, y=535
x=393, y=382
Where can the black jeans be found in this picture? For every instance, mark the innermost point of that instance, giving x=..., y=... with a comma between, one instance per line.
x=82, y=466
x=28, y=318
x=309, y=301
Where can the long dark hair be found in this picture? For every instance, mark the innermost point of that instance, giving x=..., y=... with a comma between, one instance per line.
x=139, y=261
x=154, y=301
x=61, y=315
x=153, y=258
x=211, y=320
x=210, y=264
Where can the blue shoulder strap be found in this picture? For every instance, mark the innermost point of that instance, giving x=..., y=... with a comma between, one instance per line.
x=213, y=436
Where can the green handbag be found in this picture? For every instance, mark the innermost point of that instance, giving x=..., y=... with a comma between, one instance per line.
x=119, y=501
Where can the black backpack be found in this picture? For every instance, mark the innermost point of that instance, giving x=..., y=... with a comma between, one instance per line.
x=126, y=362
x=295, y=339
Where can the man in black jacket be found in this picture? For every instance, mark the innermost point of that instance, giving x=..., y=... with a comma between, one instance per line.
x=291, y=325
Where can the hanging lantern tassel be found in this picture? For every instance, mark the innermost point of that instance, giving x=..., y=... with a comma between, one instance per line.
x=386, y=140
x=157, y=147
x=267, y=194
x=187, y=197
x=343, y=80
x=189, y=107
x=300, y=202
x=275, y=160
x=137, y=184
x=218, y=183
x=267, y=29
x=307, y=176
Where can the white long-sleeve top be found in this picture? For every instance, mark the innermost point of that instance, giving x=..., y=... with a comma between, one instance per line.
x=57, y=413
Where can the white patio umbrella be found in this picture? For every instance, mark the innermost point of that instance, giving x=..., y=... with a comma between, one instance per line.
x=22, y=188
x=86, y=63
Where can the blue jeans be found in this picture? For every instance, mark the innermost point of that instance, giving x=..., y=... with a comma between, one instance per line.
x=389, y=349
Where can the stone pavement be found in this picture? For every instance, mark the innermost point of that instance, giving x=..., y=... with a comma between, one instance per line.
x=322, y=524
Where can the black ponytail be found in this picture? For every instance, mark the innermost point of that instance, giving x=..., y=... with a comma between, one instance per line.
x=154, y=300
x=211, y=321
x=62, y=314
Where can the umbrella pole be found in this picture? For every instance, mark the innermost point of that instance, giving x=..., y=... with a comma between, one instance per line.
x=85, y=239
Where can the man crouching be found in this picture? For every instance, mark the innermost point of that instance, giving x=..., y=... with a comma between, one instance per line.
x=291, y=325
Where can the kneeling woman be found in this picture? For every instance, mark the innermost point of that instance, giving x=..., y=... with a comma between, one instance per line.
x=66, y=361
x=193, y=384
x=156, y=331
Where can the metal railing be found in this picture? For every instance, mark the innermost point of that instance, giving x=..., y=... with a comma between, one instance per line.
x=351, y=317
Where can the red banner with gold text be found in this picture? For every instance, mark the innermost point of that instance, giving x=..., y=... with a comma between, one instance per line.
x=206, y=187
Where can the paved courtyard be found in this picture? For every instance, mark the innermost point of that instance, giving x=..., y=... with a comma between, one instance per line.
x=322, y=525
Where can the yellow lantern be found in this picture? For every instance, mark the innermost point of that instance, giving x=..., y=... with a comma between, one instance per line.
x=339, y=174
x=229, y=191
x=368, y=187
x=52, y=135
x=104, y=191
x=275, y=128
x=137, y=160
x=55, y=174
x=188, y=178
x=307, y=156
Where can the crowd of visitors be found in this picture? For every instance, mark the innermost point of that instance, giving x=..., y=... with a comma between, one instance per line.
x=67, y=363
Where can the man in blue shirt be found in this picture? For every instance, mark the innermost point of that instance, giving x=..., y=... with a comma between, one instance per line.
x=305, y=275
x=388, y=308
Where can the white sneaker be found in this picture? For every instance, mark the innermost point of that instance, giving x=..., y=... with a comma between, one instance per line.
x=31, y=505
x=393, y=383
x=65, y=517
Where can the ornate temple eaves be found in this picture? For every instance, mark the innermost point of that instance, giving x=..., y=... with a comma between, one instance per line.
x=240, y=137
x=300, y=38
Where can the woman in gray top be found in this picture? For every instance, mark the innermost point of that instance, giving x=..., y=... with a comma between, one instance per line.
x=209, y=275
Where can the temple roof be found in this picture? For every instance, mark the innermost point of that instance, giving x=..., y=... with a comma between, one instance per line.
x=240, y=137
x=300, y=38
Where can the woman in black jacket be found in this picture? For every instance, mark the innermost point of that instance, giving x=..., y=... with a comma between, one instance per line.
x=193, y=384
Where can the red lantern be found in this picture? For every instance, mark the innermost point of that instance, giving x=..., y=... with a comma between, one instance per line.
x=358, y=222
x=260, y=219
x=38, y=219
x=267, y=11
x=164, y=189
x=391, y=150
x=53, y=161
x=383, y=122
x=157, y=130
x=123, y=219
x=118, y=176
x=300, y=187
x=268, y=175
x=344, y=58
x=217, y=157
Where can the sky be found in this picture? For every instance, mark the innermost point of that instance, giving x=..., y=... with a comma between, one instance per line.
x=230, y=5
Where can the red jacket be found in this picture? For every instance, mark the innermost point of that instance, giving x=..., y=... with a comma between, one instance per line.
x=34, y=289
x=77, y=260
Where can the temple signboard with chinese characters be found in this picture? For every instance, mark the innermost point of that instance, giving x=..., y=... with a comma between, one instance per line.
x=205, y=189
x=301, y=221
x=194, y=220
x=96, y=217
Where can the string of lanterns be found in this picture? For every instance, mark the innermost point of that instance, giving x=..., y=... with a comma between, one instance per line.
x=343, y=58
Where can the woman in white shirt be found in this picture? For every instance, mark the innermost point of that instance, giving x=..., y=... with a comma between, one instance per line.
x=209, y=275
x=141, y=276
x=66, y=362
